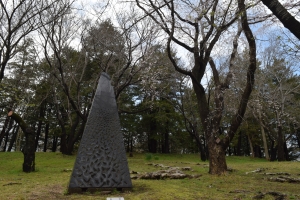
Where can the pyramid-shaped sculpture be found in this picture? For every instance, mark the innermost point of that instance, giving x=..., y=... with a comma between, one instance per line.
x=101, y=162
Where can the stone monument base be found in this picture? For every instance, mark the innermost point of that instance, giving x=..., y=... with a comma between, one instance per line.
x=94, y=190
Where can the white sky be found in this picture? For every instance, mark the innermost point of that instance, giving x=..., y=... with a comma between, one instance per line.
x=262, y=32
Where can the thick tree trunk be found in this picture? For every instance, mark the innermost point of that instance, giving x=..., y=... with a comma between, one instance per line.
x=29, y=151
x=192, y=129
x=66, y=145
x=216, y=145
x=68, y=140
x=284, y=16
x=29, y=148
x=75, y=133
x=280, y=145
x=217, y=158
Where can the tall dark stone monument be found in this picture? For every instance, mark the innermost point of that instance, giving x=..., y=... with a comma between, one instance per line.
x=101, y=162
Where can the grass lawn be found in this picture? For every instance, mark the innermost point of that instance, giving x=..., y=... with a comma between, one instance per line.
x=50, y=181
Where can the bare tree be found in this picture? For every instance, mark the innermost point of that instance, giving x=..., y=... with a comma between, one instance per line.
x=198, y=33
x=288, y=20
x=104, y=47
x=68, y=68
x=19, y=18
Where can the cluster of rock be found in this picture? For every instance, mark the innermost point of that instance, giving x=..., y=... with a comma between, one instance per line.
x=284, y=179
x=282, y=176
x=257, y=170
x=166, y=172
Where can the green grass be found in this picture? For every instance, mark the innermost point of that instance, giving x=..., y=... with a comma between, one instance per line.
x=50, y=181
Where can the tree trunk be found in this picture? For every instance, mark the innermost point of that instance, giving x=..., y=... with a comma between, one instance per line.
x=201, y=147
x=40, y=122
x=273, y=151
x=152, y=141
x=13, y=138
x=73, y=137
x=286, y=151
x=280, y=146
x=5, y=142
x=216, y=145
x=61, y=122
x=251, y=147
x=284, y=16
x=298, y=137
x=131, y=145
x=239, y=144
x=257, y=151
x=166, y=141
x=68, y=140
x=54, y=144
x=38, y=133
x=63, y=143
x=46, y=136
x=128, y=143
x=266, y=150
x=2, y=134
x=229, y=150
x=217, y=159
x=29, y=151
x=152, y=145
x=29, y=147
x=19, y=139
x=192, y=130
x=7, y=133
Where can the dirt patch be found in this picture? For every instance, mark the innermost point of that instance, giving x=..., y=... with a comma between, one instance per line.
x=48, y=192
x=276, y=195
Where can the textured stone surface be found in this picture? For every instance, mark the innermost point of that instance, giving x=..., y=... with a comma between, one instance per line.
x=101, y=161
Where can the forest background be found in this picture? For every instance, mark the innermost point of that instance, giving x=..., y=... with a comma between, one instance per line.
x=183, y=74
